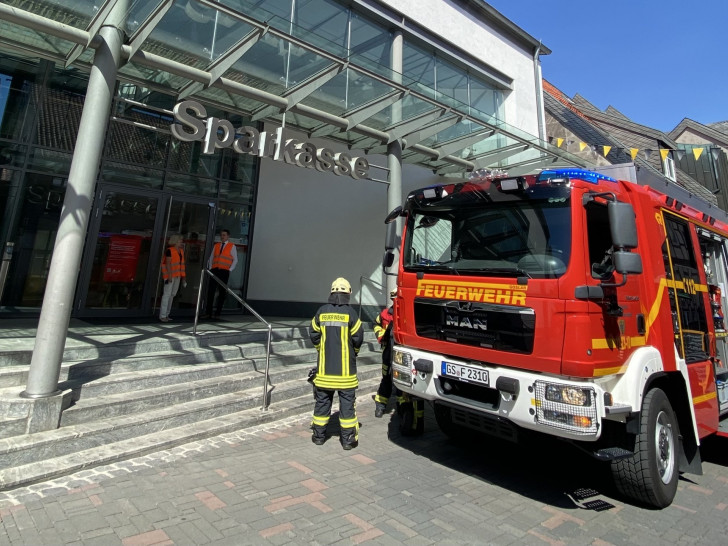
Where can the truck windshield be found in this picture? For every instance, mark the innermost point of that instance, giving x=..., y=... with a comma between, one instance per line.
x=527, y=234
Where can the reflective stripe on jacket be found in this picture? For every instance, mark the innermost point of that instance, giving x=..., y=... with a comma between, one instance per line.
x=337, y=334
x=224, y=259
x=176, y=266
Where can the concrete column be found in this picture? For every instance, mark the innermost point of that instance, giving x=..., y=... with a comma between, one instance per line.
x=394, y=149
x=45, y=366
x=539, y=93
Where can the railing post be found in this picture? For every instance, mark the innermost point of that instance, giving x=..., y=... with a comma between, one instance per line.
x=267, y=369
x=213, y=277
x=199, y=300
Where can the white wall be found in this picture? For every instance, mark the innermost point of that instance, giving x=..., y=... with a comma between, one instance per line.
x=312, y=227
x=483, y=42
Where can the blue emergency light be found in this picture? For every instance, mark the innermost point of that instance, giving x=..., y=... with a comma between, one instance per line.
x=588, y=176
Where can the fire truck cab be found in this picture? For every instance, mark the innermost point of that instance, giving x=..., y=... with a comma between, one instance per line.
x=568, y=303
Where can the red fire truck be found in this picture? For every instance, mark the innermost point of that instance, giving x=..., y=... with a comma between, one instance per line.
x=572, y=304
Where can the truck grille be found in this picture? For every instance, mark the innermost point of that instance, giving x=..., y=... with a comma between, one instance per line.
x=500, y=327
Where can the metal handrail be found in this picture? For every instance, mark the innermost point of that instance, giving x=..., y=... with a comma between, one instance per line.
x=363, y=278
x=249, y=308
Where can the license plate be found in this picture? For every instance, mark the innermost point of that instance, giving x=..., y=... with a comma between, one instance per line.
x=469, y=374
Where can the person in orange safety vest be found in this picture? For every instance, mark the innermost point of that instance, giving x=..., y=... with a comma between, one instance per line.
x=173, y=273
x=222, y=262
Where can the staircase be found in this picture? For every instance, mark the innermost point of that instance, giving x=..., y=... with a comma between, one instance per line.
x=147, y=393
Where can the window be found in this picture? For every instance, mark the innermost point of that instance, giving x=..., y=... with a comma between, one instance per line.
x=600, y=241
x=688, y=304
x=668, y=167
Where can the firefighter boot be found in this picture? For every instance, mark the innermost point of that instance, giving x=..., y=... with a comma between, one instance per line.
x=319, y=435
x=379, y=410
x=349, y=439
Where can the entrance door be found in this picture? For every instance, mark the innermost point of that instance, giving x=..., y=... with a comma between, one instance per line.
x=128, y=234
x=192, y=220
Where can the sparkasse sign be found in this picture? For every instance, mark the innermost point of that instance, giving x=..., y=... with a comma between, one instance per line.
x=217, y=133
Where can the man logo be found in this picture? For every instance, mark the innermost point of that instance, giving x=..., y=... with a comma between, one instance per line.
x=471, y=323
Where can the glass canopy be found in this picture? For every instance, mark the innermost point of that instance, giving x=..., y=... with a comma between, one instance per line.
x=248, y=58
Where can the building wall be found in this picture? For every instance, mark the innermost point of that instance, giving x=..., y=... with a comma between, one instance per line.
x=690, y=136
x=312, y=227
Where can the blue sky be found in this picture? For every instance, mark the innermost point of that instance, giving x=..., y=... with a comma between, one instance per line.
x=656, y=61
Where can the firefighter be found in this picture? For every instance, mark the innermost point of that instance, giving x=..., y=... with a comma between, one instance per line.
x=411, y=410
x=337, y=334
x=383, y=331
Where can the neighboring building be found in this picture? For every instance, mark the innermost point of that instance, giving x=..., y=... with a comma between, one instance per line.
x=702, y=154
x=610, y=138
x=418, y=89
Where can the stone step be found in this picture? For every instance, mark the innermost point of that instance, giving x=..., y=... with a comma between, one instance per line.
x=118, y=343
x=172, y=389
x=12, y=426
x=139, y=377
x=85, y=371
x=71, y=449
x=51, y=443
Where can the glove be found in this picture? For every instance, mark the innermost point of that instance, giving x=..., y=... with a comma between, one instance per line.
x=184, y=284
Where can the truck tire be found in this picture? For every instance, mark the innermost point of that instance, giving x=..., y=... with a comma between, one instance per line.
x=650, y=476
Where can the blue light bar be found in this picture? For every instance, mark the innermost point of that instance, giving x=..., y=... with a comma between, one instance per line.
x=588, y=176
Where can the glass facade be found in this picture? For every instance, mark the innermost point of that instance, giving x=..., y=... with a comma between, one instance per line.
x=322, y=55
x=149, y=186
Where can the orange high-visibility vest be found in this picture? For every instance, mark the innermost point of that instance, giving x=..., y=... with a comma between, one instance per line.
x=224, y=259
x=177, y=265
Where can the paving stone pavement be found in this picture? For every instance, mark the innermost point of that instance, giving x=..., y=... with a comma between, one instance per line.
x=271, y=485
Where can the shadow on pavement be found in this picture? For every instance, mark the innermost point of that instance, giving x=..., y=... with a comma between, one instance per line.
x=538, y=467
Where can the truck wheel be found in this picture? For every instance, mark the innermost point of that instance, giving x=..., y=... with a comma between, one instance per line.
x=444, y=421
x=650, y=476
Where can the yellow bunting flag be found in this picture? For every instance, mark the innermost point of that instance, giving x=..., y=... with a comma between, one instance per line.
x=582, y=145
x=633, y=152
x=663, y=153
x=697, y=152
x=559, y=142
x=606, y=150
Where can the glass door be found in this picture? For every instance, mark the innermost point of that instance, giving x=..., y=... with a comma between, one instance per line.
x=119, y=257
x=192, y=219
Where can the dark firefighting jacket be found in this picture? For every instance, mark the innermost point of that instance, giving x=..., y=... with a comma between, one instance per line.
x=337, y=334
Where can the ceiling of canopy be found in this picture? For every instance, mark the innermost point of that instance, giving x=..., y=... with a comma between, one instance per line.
x=246, y=60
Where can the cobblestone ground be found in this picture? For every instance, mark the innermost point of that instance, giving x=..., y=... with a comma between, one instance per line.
x=271, y=485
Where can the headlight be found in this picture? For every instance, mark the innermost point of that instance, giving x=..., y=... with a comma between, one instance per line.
x=566, y=394
x=566, y=407
x=402, y=358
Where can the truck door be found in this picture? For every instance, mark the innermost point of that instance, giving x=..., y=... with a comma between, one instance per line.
x=713, y=253
x=692, y=320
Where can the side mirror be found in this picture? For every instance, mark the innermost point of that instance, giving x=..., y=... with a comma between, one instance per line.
x=392, y=216
x=627, y=262
x=622, y=225
x=388, y=259
x=390, y=242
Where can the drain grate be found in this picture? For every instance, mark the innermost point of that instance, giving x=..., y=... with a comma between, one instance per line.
x=584, y=493
x=598, y=505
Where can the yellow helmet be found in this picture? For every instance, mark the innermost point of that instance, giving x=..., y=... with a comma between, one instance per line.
x=341, y=285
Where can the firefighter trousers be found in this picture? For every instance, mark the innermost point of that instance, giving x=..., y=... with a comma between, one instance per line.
x=384, y=392
x=347, y=414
